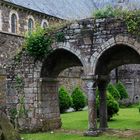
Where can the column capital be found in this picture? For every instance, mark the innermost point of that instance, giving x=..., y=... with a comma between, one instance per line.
x=90, y=77
x=103, y=77
x=48, y=79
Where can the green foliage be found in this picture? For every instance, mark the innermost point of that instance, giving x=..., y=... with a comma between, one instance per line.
x=59, y=36
x=113, y=91
x=78, y=99
x=19, y=83
x=131, y=18
x=105, y=12
x=12, y=114
x=139, y=107
x=122, y=90
x=17, y=58
x=64, y=100
x=21, y=112
x=38, y=43
x=112, y=105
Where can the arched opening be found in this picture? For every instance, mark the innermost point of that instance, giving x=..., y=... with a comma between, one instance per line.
x=13, y=23
x=55, y=63
x=110, y=59
x=30, y=25
x=116, y=56
x=44, y=23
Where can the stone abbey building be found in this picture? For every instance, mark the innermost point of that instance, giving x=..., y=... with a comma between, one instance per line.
x=41, y=110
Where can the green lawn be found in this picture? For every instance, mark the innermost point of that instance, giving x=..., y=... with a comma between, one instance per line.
x=126, y=119
x=59, y=136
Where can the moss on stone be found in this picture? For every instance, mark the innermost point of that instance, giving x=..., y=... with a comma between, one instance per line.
x=7, y=130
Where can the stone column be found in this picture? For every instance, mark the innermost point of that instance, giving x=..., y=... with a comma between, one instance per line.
x=92, y=115
x=102, y=84
x=50, y=104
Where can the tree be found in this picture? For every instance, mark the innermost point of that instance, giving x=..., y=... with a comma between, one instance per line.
x=78, y=99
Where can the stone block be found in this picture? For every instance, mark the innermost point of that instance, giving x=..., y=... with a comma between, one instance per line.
x=74, y=26
x=87, y=41
x=77, y=31
x=119, y=38
x=137, y=45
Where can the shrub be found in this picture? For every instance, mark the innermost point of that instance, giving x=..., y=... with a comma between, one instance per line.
x=78, y=98
x=113, y=91
x=38, y=43
x=109, y=12
x=64, y=100
x=122, y=90
x=112, y=105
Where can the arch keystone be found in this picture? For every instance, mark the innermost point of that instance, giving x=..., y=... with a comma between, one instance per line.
x=119, y=38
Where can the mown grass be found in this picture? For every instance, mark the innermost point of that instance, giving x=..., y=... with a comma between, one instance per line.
x=62, y=136
x=128, y=118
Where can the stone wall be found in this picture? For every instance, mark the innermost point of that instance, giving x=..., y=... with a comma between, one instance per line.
x=24, y=95
x=32, y=87
x=22, y=20
x=130, y=76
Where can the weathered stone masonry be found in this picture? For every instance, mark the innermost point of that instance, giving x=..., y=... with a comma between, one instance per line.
x=97, y=45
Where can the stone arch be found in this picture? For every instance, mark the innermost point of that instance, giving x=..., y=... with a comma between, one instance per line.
x=119, y=40
x=57, y=61
x=68, y=47
x=117, y=51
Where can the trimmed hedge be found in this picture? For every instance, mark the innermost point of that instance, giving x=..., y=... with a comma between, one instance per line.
x=113, y=91
x=112, y=105
x=65, y=101
x=78, y=99
x=122, y=90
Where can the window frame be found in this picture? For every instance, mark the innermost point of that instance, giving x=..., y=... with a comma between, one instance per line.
x=44, y=21
x=12, y=12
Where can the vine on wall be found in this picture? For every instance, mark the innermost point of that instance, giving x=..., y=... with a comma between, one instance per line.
x=38, y=43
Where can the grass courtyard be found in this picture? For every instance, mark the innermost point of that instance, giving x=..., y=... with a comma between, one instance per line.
x=75, y=123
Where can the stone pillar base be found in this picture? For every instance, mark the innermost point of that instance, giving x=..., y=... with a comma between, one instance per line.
x=93, y=133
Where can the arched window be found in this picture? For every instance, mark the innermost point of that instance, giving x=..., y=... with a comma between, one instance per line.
x=13, y=23
x=30, y=25
x=44, y=23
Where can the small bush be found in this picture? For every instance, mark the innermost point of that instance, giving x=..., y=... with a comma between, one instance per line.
x=38, y=43
x=113, y=91
x=109, y=12
x=64, y=100
x=112, y=105
x=78, y=98
x=122, y=90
